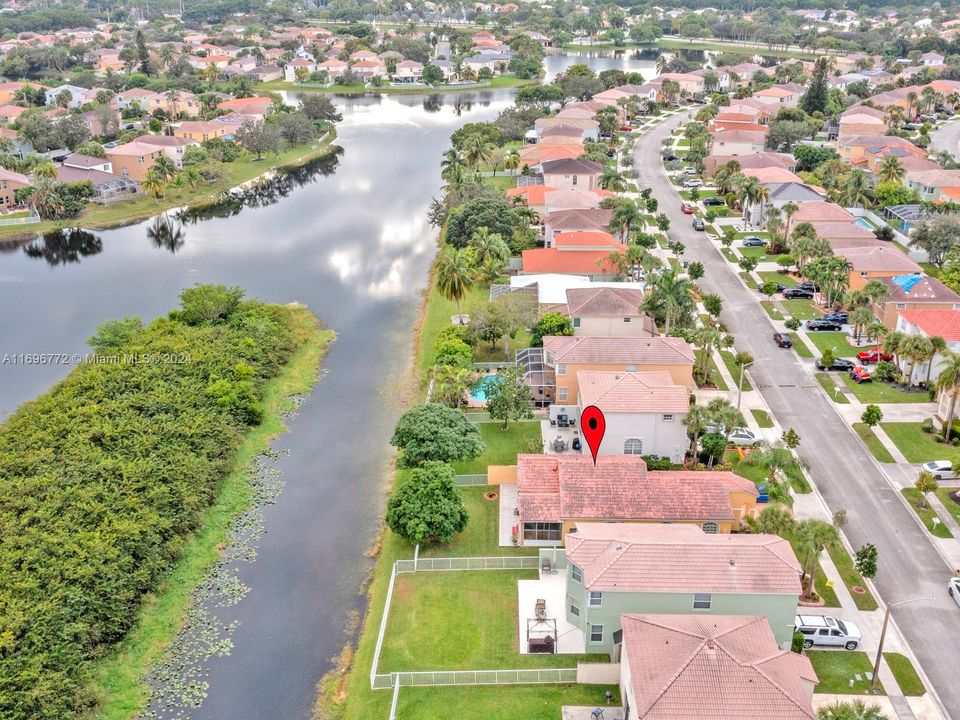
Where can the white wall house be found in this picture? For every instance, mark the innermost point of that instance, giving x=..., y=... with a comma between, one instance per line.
x=931, y=323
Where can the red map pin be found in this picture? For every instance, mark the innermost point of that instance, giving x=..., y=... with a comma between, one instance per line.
x=593, y=425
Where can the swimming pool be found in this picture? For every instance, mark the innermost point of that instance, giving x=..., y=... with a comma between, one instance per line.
x=479, y=393
x=865, y=224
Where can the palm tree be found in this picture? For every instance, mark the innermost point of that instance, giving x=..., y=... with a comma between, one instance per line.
x=813, y=536
x=892, y=344
x=860, y=318
x=949, y=382
x=937, y=346
x=612, y=180
x=698, y=419
x=856, y=191
x=913, y=350
x=671, y=296
x=892, y=170
x=789, y=209
x=723, y=176
x=852, y=710
x=164, y=167
x=624, y=214
x=453, y=276
x=452, y=166
x=489, y=246
x=911, y=102
x=877, y=331
x=661, y=64
x=450, y=384
x=45, y=170
x=477, y=151
x=706, y=339
x=512, y=160
x=154, y=185
x=772, y=520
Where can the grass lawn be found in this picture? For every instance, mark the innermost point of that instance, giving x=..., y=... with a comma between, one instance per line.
x=762, y=418
x=771, y=309
x=879, y=392
x=503, y=182
x=798, y=345
x=502, y=446
x=715, y=377
x=927, y=514
x=782, y=278
x=948, y=502
x=759, y=475
x=836, y=668
x=916, y=445
x=851, y=578
x=760, y=234
x=905, y=674
x=802, y=309
x=730, y=361
x=748, y=279
x=728, y=254
x=755, y=252
x=873, y=443
x=460, y=621
x=827, y=383
x=835, y=341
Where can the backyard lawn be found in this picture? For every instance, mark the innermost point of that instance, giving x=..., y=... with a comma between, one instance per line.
x=802, y=309
x=827, y=383
x=927, y=514
x=460, y=620
x=905, y=674
x=482, y=702
x=502, y=446
x=762, y=418
x=851, y=578
x=916, y=445
x=873, y=443
x=836, y=668
x=835, y=341
x=880, y=392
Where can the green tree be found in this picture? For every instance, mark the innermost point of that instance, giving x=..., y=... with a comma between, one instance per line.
x=813, y=536
x=259, y=137
x=509, y=400
x=773, y=520
x=872, y=415
x=695, y=270
x=670, y=299
x=115, y=334
x=925, y=484
x=550, y=324
x=209, y=304
x=454, y=276
x=817, y=94
x=713, y=304
x=865, y=560
x=143, y=54
x=435, y=432
x=949, y=382
x=428, y=507
x=453, y=352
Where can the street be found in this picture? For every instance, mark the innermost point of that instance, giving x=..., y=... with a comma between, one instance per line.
x=845, y=473
x=947, y=137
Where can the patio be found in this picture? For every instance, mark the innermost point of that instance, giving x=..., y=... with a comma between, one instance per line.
x=587, y=712
x=553, y=589
x=509, y=502
x=559, y=440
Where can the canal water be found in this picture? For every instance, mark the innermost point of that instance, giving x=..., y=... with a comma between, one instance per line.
x=347, y=236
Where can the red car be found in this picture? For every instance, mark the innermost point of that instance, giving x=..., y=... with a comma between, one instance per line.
x=626, y=128
x=873, y=355
x=686, y=208
x=860, y=374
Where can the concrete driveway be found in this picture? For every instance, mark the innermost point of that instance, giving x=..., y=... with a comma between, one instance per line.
x=844, y=471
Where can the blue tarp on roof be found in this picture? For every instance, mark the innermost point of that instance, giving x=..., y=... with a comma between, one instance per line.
x=906, y=282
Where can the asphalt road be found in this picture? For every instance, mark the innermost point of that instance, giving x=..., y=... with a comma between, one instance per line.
x=845, y=473
x=947, y=138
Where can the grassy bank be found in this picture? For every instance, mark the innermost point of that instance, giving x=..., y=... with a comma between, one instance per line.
x=118, y=680
x=500, y=81
x=143, y=207
x=688, y=44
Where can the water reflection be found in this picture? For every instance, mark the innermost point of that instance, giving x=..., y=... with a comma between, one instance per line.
x=63, y=247
x=166, y=232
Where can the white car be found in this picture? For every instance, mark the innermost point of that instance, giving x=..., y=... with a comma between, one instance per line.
x=828, y=631
x=689, y=171
x=940, y=469
x=738, y=436
x=693, y=183
x=953, y=587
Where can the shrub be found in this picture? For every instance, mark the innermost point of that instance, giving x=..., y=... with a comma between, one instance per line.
x=927, y=426
x=657, y=464
x=885, y=371
x=455, y=353
x=428, y=507
x=793, y=323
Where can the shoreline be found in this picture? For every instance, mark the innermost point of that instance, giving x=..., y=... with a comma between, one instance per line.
x=509, y=81
x=100, y=217
x=711, y=45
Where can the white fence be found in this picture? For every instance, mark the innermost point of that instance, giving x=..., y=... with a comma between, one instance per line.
x=470, y=480
x=31, y=220
x=524, y=562
x=554, y=676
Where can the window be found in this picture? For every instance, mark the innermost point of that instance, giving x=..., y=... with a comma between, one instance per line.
x=596, y=633
x=574, y=179
x=633, y=446
x=562, y=394
x=668, y=418
x=701, y=601
x=626, y=319
x=574, y=608
x=596, y=599
x=901, y=306
x=823, y=632
x=710, y=528
x=576, y=574
x=561, y=369
x=543, y=531
x=576, y=322
x=631, y=368
x=863, y=273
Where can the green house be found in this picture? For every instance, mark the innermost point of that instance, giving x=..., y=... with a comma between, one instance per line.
x=620, y=568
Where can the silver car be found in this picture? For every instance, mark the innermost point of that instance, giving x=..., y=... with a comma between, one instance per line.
x=940, y=469
x=953, y=588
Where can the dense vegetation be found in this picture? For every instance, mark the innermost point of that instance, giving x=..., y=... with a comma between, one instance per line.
x=103, y=477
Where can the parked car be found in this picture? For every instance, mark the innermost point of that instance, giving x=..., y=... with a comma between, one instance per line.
x=822, y=325
x=742, y=437
x=698, y=224
x=827, y=631
x=860, y=374
x=940, y=469
x=797, y=294
x=953, y=588
x=782, y=340
x=626, y=128
x=841, y=364
x=693, y=183
x=670, y=157
x=753, y=241
x=714, y=201
x=686, y=208
x=841, y=317
x=689, y=171
x=808, y=285
x=873, y=355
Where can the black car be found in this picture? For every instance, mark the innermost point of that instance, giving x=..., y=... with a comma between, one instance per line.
x=841, y=317
x=670, y=158
x=838, y=364
x=713, y=201
x=698, y=224
x=822, y=325
x=782, y=340
x=798, y=294
x=808, y=285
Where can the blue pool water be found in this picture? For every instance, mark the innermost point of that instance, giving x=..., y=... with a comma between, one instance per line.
x=865, y=224
x=479, y=394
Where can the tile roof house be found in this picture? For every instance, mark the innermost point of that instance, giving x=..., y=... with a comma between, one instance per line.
x=854, y=147
x=608, y=312
x=253, y=107
x=759, y=160
x=536, y=154
x=571, y=173
x=821, y=212
x=533, y=196
x=588, y=129
x=617, y=568
x=580, y=252
x=862, y=120
x=876, y=261
x=576, y=219
x=10, y=182
x=843, y=234
x=572, y=199
x=566, y=357
x=738, y=142
x=932, y=184
x=914, y=292
x=555, y=492
x=931, y=323
x=719, y=667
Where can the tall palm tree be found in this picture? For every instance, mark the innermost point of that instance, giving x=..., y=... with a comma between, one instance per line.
x=164, y=167
x=911, y=102
x=512, y=160
x=697, y=421
x=661, y=64
x=860, y=318
x=706, y=339
x=949, y=382
x=454, y=276
x=452, y=167
x=813, y=536
x=489, y=246
x=877, y=331
x=856, y=190
x=937, y=346
x=624, y=214
x=892, y=170
x=913, y=350
x=477, y=150
x=671, y=296
x=612, y=180
x=789, y=209
x=154, y=184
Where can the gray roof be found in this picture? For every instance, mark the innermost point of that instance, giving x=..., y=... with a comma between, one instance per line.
x=796, y=192
x=567, y=166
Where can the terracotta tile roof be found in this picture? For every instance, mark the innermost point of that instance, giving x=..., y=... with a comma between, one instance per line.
x=579, y=219
x=11, y=176
x=821, y=212
x=552, y=488
x=535, y=154
x=571, y=198
x=615, y=350
x=936, y=178
x=531, y=194
x=632, y=392
x=668, y=558
x=841, y=231
x=927, y=290
x=562, y=131
x=757, y=160
x=567, y=262
x=721, y=667
x=771, y=175
x=581, y=123
x=863, y=113
x=604, y=302
x=749, y=136
x=935, y=323
x=594, y=239
x=879, y=258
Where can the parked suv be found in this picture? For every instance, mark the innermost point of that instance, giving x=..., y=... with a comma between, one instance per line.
x=827, y=631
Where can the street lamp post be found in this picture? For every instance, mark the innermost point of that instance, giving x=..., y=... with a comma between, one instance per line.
x=740, y=382
x=883, y=636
